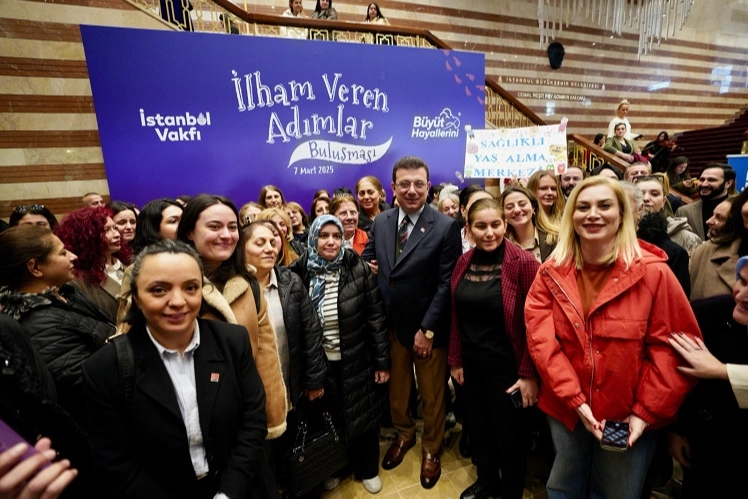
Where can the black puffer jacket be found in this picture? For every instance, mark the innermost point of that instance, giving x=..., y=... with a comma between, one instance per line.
x=29, y=405
x=308, y=361
x=65, y=333
x=364, y=346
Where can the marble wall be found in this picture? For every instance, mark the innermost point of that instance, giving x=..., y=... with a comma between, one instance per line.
x=49, y=145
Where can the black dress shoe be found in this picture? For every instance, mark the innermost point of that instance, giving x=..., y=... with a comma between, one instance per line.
x=464, y=445
x=478, y=491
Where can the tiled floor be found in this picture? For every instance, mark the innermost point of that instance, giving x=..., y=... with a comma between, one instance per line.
x=458, y=474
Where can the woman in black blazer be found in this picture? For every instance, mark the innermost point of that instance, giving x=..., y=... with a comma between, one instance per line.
x=190, y=421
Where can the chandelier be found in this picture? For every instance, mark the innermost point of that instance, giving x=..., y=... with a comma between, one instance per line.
x=653, y=18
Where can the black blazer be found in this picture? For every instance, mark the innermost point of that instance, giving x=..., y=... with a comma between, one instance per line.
x=415, y=289
x=142, y=449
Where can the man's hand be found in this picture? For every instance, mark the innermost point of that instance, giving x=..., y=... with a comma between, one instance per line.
x=422, y=345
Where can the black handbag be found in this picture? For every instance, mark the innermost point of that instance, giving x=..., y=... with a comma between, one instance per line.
x=315, y=455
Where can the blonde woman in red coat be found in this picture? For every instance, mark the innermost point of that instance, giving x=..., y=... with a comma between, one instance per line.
x=598, y=318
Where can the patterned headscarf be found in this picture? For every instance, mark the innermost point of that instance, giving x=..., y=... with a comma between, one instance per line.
x=318, y=266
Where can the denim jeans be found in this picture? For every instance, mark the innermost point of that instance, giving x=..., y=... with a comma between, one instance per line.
x=584, y=469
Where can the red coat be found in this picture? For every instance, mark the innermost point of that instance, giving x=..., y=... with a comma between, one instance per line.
x=617, y=358
x=517, y=273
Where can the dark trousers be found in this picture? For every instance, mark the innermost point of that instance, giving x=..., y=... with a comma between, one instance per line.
x=498, y=433
x=363, y=449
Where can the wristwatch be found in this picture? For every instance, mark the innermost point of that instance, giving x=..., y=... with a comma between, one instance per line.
x=429, y=334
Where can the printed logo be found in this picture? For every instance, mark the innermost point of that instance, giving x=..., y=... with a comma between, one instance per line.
x=444, y=126
x=177, y=128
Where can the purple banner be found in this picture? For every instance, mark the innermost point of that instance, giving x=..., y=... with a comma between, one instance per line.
x=187, y=113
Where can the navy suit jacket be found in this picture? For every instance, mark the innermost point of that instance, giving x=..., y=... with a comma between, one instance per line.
x=142, y=449
x=415, y=288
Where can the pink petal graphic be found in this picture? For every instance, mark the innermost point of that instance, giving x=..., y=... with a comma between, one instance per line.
x=457, y=61
x=470, y=76
x=458, y=80
x=467, y=92
x=482, y=88
x=446, y=52
x=449, y=68
x=480, y=101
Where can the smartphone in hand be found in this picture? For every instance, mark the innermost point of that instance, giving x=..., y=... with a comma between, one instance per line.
x=516, y=397
x=615, y=436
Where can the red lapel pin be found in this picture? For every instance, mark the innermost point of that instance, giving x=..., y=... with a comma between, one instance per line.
x=214, y=377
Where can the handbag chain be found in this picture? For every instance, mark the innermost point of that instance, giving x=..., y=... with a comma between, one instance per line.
x=299, y=449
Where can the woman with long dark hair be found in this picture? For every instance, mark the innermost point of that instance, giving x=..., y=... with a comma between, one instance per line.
x=324, y=10
x=210, y=224
x=374, y=15
x=159, y=219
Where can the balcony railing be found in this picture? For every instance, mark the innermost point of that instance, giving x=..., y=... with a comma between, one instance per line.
x=503, y=110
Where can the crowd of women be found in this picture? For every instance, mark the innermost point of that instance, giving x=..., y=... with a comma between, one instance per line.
x=233, y=323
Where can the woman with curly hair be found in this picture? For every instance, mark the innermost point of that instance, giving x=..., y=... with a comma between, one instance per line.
x=90, y=233
x=547, y=189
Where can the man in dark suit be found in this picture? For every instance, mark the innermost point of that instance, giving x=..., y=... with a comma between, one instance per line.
x=415, y=250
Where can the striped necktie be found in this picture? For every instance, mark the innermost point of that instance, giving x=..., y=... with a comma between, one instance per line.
x=402, y=234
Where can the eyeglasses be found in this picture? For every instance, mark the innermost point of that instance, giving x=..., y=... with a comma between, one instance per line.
x=405, y=185
x=25, y=208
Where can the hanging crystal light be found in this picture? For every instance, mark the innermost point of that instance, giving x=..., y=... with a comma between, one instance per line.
x=651, y=18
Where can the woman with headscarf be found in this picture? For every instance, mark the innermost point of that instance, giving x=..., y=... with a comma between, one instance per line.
x=346, y=297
